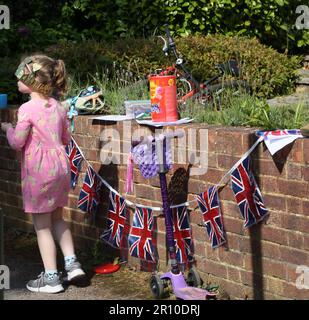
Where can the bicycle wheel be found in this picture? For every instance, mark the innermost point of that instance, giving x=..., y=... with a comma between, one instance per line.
x=236, y=85
x=183, y=88
x=214, y=92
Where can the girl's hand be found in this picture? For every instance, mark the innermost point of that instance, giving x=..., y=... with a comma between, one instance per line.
x=5, y=126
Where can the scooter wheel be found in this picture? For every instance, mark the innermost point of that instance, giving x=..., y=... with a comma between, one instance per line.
x=193, y=278
x=157, y=286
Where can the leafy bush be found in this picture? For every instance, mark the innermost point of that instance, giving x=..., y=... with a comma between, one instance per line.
x=268, y=72
x=35, y=26
x=8, y=82
x=272, y=21
x=139, y=56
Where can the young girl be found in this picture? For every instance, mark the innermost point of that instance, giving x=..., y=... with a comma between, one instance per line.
x=41, y=133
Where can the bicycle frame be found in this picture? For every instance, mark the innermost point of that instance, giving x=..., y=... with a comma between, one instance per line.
x=196, y=89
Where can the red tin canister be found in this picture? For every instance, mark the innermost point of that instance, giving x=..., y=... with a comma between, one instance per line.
x=163, y=97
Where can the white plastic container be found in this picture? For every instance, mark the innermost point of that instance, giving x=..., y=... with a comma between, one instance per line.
x=137, y=107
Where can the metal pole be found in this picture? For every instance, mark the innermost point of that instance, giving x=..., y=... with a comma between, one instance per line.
x=1, y=248
x=166, y=207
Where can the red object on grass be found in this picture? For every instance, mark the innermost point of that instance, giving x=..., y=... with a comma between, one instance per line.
x=107, y=267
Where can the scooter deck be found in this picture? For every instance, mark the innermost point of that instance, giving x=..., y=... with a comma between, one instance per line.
x=192, y=293
x=183, y=291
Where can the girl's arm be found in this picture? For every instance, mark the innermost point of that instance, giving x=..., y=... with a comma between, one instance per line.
x=17, y=137
x=66, y=131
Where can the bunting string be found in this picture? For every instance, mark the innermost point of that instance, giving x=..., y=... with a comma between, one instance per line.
x=141, y=243
x=187, y=203
x=244, y=156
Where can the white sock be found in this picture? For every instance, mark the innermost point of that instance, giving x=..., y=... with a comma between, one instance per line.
x=51, y=274
x=69, y=260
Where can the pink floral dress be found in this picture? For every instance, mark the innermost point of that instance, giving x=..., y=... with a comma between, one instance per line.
x=41, y=133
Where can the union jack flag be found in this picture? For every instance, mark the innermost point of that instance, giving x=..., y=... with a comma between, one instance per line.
x=208, y=202
x=182, y=234
x=278, y=139
x=140, y=237
x=75, y=159
x=279, y=133
x=89, y=194
x=117, y=217
x=247, y=194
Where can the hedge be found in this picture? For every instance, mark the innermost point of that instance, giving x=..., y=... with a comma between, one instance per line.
x=270, y=73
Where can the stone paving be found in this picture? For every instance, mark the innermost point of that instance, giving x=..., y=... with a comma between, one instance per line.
x=300, y=96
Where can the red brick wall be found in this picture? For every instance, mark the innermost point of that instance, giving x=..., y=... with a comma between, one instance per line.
x=260, y=263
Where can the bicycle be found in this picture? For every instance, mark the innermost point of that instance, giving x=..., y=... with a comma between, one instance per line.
x=205, y=92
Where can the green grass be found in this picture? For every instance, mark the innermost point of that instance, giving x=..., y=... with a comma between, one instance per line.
x=248, y=111
x=116, y=87
x=241, y=110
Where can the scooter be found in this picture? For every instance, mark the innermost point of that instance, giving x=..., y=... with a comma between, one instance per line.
x=159, y=283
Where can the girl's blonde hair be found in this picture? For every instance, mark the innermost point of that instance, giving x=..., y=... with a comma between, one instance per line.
x=51, y=77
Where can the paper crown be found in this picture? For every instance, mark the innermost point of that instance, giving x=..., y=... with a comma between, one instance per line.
x=26, y=72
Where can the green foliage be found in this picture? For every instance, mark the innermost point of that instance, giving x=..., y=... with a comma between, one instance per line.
x=116, y=87
x=48, y=22
x=138, y=56
x=8, y=83
x=35, y=26
x=70, y=30
x=272, y=21
x=97, y=255
x=249, y=111
x=241, y=110
x=268, y=72
x=119, y=18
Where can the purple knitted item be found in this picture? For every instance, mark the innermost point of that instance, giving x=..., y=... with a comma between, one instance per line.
x=145, y=156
